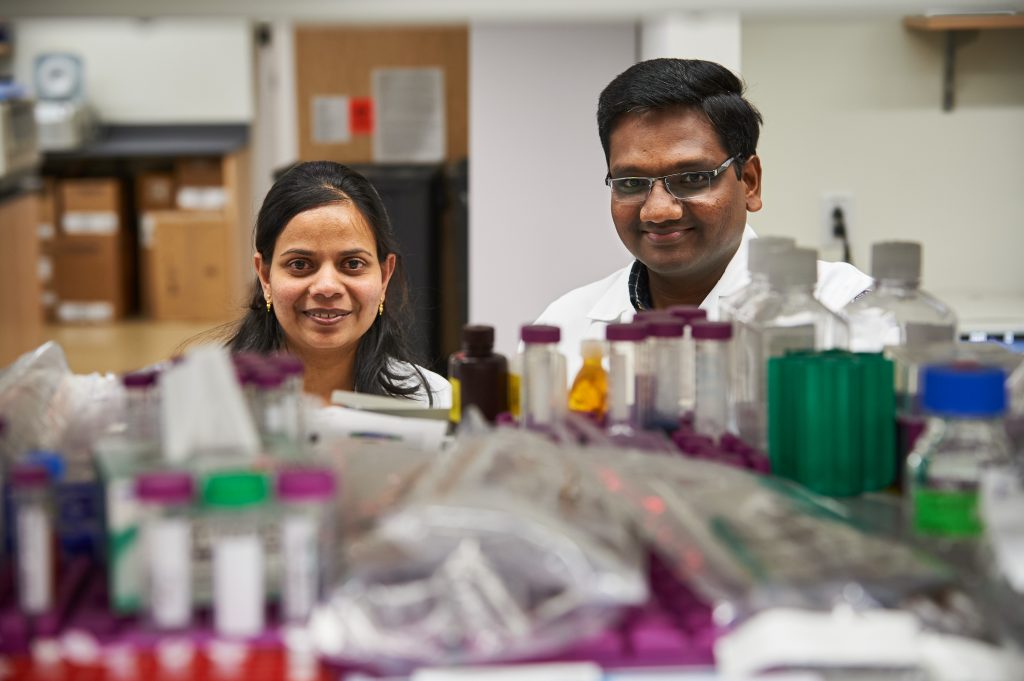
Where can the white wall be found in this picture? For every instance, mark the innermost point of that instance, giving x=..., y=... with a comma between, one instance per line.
x=854, y=106
x=539, y=221
x=178, y=70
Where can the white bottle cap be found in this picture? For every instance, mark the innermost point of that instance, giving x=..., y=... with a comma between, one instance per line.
x=796, y=267
x=896, y=260
x=759, y=251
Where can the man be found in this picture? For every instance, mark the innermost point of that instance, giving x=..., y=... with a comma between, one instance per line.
x=681, y=146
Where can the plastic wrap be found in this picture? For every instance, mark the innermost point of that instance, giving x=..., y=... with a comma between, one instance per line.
x=47, y=407
x=496, y=549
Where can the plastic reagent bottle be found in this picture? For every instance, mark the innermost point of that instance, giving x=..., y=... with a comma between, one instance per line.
x=665, y=345
x=35, y=542
x=759, y=252
x=544, y=395
x=625, y=341
x=166, y=498
x=237, y=499
x=305, y=495
x=479, y=376
x=589, y=392
x=786, y=317
x=712, y=341
x=293, y=372
x=964, y=436
x=897, y=311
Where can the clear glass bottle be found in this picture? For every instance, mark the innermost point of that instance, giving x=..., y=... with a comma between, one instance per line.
x=35, y=537
x=965, y=434
x=759, y=252
x=479, y=376
x=235, y=502
x=166, y=499
x=688, y=314
x=625, y=343
x=786, y=317
x=142, y=406
x=665, y=345
x=305, y=496
x=589, y=392
x=896, y=311
x=713, y=408
x=293, y=373
x=543, y=381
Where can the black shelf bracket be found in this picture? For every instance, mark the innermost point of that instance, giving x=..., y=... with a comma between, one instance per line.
x=954, y=40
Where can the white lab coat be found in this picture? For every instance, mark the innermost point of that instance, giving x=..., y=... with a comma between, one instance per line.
x=583, y=313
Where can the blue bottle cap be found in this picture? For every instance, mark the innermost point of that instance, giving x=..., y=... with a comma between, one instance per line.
x=51, y=461
x=964, y=390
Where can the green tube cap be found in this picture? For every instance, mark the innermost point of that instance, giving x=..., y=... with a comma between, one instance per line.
x=235, y=489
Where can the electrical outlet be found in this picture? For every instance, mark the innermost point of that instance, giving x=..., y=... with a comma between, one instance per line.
x=829, y=202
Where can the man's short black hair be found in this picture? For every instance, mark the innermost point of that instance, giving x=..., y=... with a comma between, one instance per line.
x=666, y=83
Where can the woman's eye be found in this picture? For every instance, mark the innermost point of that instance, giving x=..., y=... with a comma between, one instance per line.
x=352, y=264
x=298, y=266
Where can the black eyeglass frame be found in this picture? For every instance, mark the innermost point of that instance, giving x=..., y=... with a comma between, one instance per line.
x=708, y=175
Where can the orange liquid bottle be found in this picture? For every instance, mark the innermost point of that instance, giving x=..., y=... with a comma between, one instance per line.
x=589, y=393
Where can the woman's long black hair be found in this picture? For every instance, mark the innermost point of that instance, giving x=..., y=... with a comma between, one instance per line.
x=319, y=183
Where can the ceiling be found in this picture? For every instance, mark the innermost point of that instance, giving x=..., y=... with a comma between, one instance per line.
x=462, y=11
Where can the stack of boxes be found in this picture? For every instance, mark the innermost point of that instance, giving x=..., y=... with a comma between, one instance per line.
x=90, y=253
x=92, y=263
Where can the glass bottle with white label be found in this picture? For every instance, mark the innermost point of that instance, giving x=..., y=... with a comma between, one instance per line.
x=896, y=311
x=544, y=391
x=665, y=347
x=688, y=315
x=712, y=414
x=965, y=437
x=35, y=538
x=626, y=348
x=236, y=503
x=786, y=317
x=166, y=500
x=305, y=496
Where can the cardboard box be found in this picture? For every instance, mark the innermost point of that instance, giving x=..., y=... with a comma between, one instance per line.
x=154, y=191
x=46, y=232
x=189, y=267
x=90, y=206
x=198, y=172
x=91, y=276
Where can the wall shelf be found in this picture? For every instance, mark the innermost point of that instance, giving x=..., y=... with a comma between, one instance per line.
x=959, y=29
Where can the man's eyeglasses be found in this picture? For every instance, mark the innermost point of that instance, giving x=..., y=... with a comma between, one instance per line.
x=689, y=185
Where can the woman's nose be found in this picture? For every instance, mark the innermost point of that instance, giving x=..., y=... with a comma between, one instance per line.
x=326, y=283
x=661, y=206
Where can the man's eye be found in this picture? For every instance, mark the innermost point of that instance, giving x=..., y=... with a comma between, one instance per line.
x=691, y=179
x=631, y=185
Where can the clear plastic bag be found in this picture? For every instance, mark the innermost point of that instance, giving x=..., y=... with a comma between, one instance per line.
x=497, y=549
x=45, y=406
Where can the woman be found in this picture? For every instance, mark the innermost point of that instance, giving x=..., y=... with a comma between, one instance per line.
x=325, y=260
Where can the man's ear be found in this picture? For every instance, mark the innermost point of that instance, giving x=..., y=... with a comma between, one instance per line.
x=752, y=182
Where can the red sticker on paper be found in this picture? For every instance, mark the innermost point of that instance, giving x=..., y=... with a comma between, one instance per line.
x=361, y=115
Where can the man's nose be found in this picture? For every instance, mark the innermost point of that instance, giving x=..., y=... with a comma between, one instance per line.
x=660, y=206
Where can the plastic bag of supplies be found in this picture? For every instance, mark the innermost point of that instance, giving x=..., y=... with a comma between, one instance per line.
x=47, y=407
x=496, y=549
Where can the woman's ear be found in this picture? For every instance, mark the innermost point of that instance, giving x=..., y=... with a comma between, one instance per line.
x=387, y=268
x=263, y=272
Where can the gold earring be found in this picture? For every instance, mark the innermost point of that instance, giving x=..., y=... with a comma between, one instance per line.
x=268, y=303
x=380, y=308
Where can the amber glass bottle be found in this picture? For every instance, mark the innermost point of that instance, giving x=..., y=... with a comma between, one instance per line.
x=478, y=375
